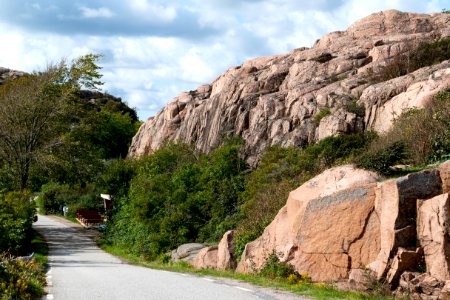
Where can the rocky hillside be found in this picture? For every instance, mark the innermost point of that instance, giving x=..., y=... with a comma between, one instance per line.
x=7, y=74
x=346, y=225
x=310, y=93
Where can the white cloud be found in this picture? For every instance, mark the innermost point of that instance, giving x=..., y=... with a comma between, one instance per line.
x=153, y=11
x=102, y=12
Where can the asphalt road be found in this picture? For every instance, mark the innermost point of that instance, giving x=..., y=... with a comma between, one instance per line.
x=80, y=270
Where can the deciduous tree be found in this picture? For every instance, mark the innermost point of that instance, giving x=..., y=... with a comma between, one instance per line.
x=34, y=110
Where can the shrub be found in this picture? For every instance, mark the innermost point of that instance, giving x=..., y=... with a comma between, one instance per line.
x=273, y=268
x=418, y=136
x=88, y=200
x=16, y=219
x=53, y=197
x=358, y=109
x=115, y=179
x=380, y=160
x=179, y=195
x=21, y=279
x=322, y=114
x=426, y=54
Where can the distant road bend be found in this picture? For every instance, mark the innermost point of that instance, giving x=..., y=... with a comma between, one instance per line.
x=80, y=270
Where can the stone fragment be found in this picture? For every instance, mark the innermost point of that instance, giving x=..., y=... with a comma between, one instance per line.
x=445, y=292
x=396, y=205
x=414, y=285
x=361, y=279
x=226, y=257
x=186, y=252
x=404, y=260
x=206, y=258
x=433, y=221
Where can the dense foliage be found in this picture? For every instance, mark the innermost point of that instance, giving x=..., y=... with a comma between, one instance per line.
x=51, y=130
x=418, y=137
x=16, y=217
x=54, y=196
x=179, y=195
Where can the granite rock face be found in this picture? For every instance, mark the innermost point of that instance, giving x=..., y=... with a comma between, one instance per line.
x=226, y=257
x=346, y=219
x=206, y=258
x=328, y=227
x=433, y=221
x=275, y=100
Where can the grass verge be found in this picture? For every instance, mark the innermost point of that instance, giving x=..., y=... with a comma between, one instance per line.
x=315, y=291
x=40, y=249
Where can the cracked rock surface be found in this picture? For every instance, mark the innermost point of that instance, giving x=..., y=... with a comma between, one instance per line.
x=275, y=99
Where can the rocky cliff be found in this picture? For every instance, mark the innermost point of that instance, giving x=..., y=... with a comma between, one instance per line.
x=308, y=94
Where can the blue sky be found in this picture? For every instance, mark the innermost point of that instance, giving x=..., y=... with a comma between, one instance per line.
x=154, y=49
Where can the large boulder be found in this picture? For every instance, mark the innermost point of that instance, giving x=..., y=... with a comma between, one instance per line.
x=206, y=258
x=328, y=227
x=186, y=252
x=226, y=257
x=433, y=221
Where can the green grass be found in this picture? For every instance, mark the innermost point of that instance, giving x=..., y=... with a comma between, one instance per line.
x=315, y=291
x=322, y=114
x=40, y=249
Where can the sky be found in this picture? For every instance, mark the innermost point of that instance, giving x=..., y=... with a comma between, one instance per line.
x=153, y=49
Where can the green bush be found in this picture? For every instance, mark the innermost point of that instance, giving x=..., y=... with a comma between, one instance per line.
x=273, y=268
x=380, y=160
x=16, y=219
x=417, y=137
x=357, y=109
x=87, y=200
x=53, y=196
x=178, y=195
x=322, y=114
x=115, y=179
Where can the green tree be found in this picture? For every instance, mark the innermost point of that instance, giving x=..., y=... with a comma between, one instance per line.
x=34, y=111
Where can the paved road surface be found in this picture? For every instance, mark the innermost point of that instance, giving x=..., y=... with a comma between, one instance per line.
x=80, y=270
